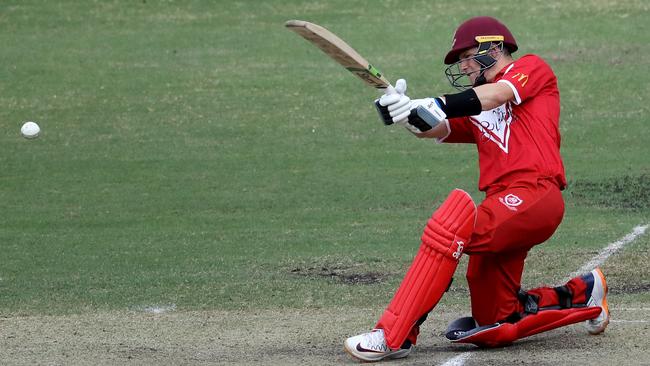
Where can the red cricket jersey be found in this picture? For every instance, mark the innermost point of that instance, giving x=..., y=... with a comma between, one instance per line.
x=520, y=139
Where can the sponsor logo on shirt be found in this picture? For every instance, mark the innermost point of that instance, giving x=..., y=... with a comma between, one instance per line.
x=495, y=125
x=521, y=78
x=511, y=201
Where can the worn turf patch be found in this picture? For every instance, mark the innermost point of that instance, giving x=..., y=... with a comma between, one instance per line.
x=624, y=192
x=341, y=274
x=341, y=270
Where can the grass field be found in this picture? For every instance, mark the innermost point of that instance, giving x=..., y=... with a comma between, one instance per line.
x=197, y=156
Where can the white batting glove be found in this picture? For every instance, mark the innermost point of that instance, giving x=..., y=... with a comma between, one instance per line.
x=423, y=115
x=394, y=105
x=417, y=115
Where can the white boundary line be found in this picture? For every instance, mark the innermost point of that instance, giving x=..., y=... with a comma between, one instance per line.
x=593, y=263
x=608, y=251
x=458, y=360
x=629, y=321
x=159, y=309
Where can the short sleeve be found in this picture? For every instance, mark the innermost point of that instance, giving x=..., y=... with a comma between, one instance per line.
x=528, y=77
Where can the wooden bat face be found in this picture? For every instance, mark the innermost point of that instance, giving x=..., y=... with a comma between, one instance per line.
x=339, y=51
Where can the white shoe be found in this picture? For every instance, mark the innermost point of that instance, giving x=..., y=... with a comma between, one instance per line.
x=372, y=347
x=598, y=298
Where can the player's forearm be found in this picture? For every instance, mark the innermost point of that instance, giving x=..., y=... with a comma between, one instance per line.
x=472, y=101
x=493, y=95
x=438, y=132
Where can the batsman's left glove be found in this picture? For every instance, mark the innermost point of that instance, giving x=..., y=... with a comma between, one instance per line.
x=417, y=115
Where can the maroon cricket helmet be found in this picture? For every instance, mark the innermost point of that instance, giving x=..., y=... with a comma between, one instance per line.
x=465, y=36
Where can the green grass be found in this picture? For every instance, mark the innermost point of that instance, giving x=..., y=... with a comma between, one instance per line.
x=199, y=154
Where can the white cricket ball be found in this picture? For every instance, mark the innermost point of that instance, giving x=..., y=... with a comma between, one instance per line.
x=30, y=130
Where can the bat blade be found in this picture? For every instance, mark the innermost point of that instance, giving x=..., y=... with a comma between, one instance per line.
x=339, y=51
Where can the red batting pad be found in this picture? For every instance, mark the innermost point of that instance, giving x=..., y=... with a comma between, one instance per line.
x=445, y=236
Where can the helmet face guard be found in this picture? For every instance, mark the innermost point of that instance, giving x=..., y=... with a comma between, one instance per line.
x=486, y=45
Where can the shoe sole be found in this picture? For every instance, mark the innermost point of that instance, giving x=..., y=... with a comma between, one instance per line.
x=395, y=355
x=604, y=305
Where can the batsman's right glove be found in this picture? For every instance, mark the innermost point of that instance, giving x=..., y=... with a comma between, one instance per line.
x=394, y=105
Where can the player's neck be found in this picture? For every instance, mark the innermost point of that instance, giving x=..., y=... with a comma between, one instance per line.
x=501, y=63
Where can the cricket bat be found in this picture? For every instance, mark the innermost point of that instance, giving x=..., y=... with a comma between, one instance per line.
x=339, y=51
x=346, y=56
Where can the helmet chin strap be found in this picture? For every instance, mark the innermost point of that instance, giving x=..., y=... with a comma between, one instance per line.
x=480, y=79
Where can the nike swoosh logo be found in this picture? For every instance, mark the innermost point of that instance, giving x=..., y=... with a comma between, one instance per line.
x=361, y=349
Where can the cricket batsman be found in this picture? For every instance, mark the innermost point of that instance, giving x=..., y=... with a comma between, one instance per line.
x=510, y=110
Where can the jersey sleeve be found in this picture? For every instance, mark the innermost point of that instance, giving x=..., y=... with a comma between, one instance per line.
x=460, y=131
x=528, y=77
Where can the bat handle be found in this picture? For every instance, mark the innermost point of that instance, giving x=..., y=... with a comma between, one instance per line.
x=400, y=87
x=390, y=89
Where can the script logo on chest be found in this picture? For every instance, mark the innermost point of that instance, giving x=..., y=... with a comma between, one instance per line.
x=494, y=125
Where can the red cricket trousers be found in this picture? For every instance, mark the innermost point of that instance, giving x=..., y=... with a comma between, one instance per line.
x=510, y=221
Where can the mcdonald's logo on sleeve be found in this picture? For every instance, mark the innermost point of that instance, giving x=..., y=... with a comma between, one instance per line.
x=521, y=78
